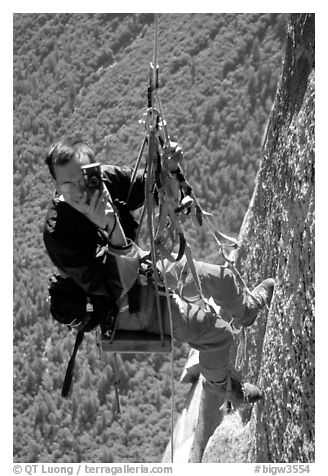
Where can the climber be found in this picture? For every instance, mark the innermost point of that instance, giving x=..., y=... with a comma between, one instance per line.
x=91, y=241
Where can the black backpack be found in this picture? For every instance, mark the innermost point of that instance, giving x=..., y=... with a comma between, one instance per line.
x=72, y=306
x=68, y=301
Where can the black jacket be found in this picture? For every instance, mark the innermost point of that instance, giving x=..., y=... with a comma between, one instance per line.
x=78, y=248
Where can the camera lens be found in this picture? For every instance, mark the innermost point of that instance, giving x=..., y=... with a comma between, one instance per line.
x=93, y=181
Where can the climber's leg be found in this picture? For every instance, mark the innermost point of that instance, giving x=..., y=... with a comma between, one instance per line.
x=212, y=335
x=219, y=282
x=205, y=331
x=216, y=281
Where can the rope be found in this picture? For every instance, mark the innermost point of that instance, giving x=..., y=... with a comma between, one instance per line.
x=135, y=170
x=151, y=230
x=151, y=152
x=213, y=232
x=140, y=224
x=155, y=40
x=117, y=383
x=241, y=350
x=172, y=357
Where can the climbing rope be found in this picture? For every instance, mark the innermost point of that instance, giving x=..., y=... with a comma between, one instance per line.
x=155, y=39
x=169, y=307
x=241, y=354
x=117, y=383
x=152, y=177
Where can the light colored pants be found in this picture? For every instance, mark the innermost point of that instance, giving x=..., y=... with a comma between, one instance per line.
x=205, y=330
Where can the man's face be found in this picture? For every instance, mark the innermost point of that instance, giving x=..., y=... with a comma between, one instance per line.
x=69, y=180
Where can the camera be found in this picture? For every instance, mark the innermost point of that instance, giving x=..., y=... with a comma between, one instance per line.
x=92, y=179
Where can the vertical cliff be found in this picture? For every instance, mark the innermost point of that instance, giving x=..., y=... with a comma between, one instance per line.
x=277, y=239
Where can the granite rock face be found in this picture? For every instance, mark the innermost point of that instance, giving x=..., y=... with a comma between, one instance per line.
x=277, y=240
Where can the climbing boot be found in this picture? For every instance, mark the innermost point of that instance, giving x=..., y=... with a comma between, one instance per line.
x=234, y=391
x=263, y=295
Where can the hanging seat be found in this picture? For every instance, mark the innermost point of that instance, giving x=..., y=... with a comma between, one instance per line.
x=137, y=342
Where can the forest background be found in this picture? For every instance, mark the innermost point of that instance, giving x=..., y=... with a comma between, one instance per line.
x=87, y=74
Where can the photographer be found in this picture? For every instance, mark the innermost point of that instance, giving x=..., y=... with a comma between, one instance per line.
x=89, y=238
